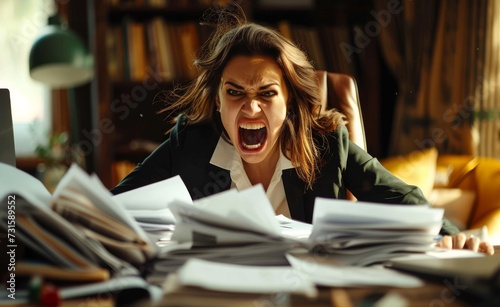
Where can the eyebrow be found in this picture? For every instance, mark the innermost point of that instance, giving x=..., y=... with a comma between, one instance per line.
x=260, y=88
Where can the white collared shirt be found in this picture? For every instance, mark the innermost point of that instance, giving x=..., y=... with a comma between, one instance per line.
x=226, y=157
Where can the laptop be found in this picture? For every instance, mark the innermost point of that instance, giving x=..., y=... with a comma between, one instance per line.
x=7, y=149
x=462, y=267
x=476, y=279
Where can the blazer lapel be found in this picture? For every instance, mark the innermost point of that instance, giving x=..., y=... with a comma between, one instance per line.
x=294, y=190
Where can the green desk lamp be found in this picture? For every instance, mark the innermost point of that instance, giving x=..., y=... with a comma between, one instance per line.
x=59, y=59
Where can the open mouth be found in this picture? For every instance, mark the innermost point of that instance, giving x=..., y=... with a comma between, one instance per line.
x=252, y=135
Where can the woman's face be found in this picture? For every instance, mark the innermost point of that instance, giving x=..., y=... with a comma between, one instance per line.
x=253, y=104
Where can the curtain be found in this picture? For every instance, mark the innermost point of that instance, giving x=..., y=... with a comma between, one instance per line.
x=487, y=108
x=441, y=53
x=406, y=45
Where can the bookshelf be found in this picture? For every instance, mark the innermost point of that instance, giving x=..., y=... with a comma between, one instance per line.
x=142, y=47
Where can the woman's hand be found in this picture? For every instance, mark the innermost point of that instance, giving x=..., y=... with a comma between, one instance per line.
x=461, y=241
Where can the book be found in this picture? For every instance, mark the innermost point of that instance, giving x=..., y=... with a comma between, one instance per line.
x=163, y=43
x=189, y=40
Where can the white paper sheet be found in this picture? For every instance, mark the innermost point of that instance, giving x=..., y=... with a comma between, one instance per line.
x=155, y=196
x=292, y=228
x=347, y=276
x=14, y=181
x=249, y=208
x=338, y=211
x=244, y=279
x=156, y=216
x=222, y=216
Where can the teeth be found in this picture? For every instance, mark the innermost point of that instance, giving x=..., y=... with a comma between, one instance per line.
x=252, y=126
x=254, y=146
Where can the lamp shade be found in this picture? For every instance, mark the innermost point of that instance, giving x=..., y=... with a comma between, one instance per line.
x=59, y=58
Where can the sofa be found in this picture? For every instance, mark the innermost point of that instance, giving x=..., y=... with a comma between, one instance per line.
x=467, y=187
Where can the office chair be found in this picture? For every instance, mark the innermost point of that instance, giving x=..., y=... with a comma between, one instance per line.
x=340, y=91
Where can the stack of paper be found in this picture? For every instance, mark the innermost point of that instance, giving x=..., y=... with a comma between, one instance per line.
x=231, y=227
x=78, y=233
x=359, y=233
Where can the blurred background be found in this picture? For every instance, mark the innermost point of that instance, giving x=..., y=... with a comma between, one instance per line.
x=427, y=72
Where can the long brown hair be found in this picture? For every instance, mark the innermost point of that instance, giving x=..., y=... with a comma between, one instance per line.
x=234, y=36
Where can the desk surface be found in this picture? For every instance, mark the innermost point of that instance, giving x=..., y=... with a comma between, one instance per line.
x=433, y=293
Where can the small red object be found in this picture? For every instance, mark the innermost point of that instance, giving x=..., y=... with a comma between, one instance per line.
x=49, y=296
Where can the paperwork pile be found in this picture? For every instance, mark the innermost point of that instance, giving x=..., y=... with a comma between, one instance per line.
x=231, y=227
x=360, y=233
x=79, y=233
x=240, y=227
x=83, y=233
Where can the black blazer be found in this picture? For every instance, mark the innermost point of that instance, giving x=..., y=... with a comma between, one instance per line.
x=344, y=166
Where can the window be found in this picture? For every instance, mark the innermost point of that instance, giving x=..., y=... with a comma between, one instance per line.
x=21, y=21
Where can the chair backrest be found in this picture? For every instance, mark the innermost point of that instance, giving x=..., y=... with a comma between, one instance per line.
x=7, y=149
x=340, y=91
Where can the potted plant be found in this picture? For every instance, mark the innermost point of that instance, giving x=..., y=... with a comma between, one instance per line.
x=57, y=154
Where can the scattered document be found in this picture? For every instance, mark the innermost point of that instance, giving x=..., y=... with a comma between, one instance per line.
x=114, y=285
x=149, y=204
x=14, y=181
x=243, y=279
x=294, y=229
x=236, y=227
x=323, y=273
x=226, y=218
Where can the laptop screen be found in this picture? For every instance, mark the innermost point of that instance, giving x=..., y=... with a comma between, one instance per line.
x=7, y=149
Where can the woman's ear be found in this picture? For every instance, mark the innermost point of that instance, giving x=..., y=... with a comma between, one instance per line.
x=217, y=103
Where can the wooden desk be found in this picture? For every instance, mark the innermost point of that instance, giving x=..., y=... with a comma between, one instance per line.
x=433, y=293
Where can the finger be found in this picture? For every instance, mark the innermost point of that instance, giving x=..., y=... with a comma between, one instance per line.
x=446, y=242
x=459, y=240
x=487, y=248
x=472, y=243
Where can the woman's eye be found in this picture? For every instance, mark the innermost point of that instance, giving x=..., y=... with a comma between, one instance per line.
x=268, y=94
x=234, y=92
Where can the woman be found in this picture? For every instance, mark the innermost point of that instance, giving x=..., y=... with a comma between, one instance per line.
x=253, y=115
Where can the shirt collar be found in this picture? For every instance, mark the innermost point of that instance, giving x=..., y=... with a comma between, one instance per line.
x=224, y=152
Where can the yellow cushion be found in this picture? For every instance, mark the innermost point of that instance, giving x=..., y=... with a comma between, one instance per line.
x=416, y=168
x=456, y=171
x=487, y=175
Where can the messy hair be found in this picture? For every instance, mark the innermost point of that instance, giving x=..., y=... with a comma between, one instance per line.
x=233, y=36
